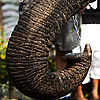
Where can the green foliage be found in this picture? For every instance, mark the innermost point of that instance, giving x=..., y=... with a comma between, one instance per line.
x=51, y=59
x=3, y=71
x=87, y=95
x=52, y=64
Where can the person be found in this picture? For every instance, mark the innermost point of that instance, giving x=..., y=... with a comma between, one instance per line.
x=95, y=75
x=90, y=33
x=66, y=41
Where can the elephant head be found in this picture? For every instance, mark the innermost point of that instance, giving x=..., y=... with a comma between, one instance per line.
x=29, y=46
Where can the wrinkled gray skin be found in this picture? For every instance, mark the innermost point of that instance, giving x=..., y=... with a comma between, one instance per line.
x=29, y=46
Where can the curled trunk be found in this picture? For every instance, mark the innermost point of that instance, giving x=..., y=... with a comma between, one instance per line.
x=29, y=46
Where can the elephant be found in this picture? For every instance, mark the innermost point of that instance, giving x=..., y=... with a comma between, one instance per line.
x=29, y=46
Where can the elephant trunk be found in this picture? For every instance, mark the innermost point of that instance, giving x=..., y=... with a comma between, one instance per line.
x=29, y=46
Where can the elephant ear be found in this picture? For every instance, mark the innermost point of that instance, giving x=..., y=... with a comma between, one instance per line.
x=29, y=46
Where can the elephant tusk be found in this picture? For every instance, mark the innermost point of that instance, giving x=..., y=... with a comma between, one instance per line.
x=29, y=46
